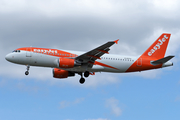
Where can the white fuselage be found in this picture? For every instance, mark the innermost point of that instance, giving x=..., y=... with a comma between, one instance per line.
x=66, y=63
x=118, y=63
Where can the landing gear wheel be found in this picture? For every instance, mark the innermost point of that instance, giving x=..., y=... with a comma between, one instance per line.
x=82, y=80
x=27, y=73
x=86, y=74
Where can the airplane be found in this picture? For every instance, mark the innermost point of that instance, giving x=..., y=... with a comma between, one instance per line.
x=67, y=63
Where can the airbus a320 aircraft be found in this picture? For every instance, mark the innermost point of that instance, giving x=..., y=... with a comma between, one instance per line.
x=66, y=63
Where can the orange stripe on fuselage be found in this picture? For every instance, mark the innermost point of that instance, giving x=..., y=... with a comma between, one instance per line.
x=104, y=65
x=143, y=63
x=46, y=51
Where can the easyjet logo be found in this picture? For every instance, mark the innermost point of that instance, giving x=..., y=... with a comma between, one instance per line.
x=158, y=45
x=45, y=51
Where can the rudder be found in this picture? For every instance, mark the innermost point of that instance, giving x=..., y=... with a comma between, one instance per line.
x=158, y=48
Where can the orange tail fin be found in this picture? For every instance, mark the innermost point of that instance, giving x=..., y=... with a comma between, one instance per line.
x=158, y=48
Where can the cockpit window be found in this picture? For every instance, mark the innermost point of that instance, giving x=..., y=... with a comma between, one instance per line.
x=16, y=51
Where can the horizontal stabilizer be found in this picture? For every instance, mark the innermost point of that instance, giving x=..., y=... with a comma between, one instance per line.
x=161, y=61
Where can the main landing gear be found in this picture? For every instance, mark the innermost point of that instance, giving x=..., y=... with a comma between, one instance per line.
x=27, y=72
x=82, y=80
x=86, y=74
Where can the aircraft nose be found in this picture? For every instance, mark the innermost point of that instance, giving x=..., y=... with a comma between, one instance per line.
x=8, y=57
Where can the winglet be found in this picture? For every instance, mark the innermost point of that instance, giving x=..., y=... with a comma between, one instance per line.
x=116, y=41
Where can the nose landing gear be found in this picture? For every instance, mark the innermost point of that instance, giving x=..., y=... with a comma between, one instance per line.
x=27, y=72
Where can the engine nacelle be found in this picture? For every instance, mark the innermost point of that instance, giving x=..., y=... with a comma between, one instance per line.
x=66, y=63
x=59, y=73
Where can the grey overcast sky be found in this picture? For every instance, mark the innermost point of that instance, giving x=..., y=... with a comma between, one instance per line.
x=83, y=25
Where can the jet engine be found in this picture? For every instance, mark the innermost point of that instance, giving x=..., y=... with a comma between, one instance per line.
x=59, y=73
x=66, y=63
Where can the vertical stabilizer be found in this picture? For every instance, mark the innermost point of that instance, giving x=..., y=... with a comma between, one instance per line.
x=154, y=53
x=158, y=48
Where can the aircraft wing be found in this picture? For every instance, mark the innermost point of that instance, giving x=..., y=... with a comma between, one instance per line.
x=90, y=57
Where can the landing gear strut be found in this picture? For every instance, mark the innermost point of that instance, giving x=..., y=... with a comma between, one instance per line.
x=27, y=72
x=86, y=74
x=82, y=80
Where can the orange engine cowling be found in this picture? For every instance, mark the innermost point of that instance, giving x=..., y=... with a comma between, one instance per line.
x=66, y=63
x=58, y=73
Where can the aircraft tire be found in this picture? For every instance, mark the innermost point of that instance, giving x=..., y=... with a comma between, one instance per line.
x=86, y=74
x=26, y=73
x=82, y=80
